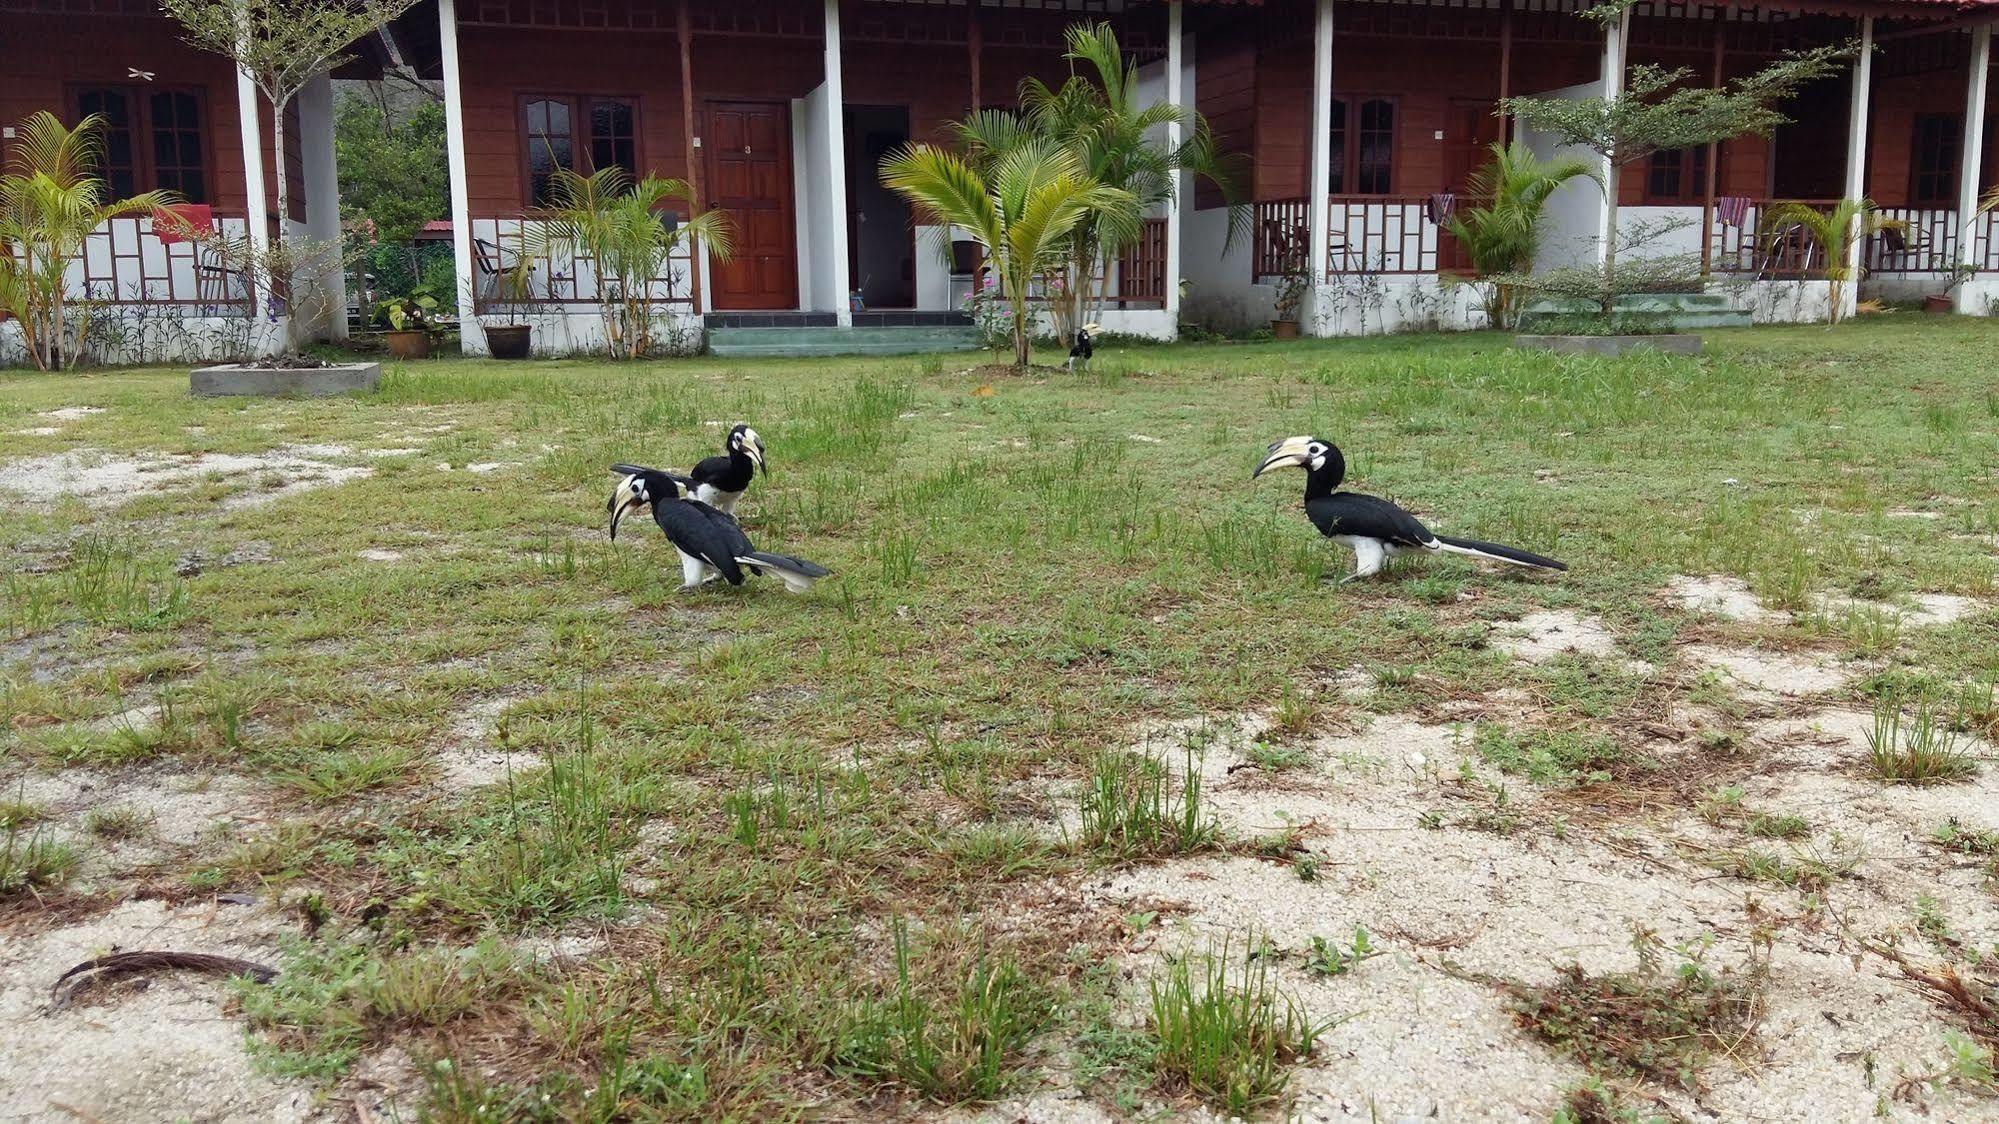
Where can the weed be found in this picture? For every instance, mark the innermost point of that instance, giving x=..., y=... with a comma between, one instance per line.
x=1328, y=959
x=1767, y=825
x=1594, y=1102
x=326, y=778
x=125, y=821
x=1552, y=757
x=1134, y=805
x=1954, y=835
x=1722, y=803
x=1806, y=869
x=1659, y=1025
x=18, y=813
x=1917, y=749
x=1295, y=712
x=33, y=864
x=1226, y=1033
x=1274, y=758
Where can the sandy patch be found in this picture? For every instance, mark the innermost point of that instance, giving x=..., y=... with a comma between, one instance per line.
x=129, y=1053
x=469, y=758
x=40, y=431
x=1919, y=610
x=181, y=807
x=71, y=413
x=1541, y=636
x=105, y=479
x=377, y=554
x=1773, y=673
x=1718, y=595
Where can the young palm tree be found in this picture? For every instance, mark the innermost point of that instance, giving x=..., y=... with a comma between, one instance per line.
x=619, y=225
x=50, y=202
x=1501, y=236
x=1022, y=205
x=1117, y=140
x=1837, y=231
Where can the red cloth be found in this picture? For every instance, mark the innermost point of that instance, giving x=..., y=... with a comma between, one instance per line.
x=176, y=223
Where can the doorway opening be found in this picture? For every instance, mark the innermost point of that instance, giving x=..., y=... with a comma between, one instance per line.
x=881, y=240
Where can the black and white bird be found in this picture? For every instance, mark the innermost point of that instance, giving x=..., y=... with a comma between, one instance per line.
x=721, y=480
x=1085, y=346
x=710, y=543
x=1373, y=528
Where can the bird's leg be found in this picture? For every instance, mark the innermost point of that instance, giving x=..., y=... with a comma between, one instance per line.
x=690, y=571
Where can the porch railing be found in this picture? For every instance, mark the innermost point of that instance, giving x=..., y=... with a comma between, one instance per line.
x=557, y=274
x=1751, y=246
x=1389, y=234
x=1926, y=241
x=123, y=262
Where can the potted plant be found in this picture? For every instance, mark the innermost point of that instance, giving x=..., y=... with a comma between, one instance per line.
x=1290, y=295
x=411, y=321
x=510, y=337
x=1938, y=304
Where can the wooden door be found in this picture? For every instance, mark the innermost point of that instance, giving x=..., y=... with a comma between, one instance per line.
x=749, y=176
x=1470, y=128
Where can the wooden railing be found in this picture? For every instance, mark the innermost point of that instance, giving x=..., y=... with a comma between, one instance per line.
x=1925, y=240
x=1748, y=247
x=123, y=262
x=559, y=274
x=1389, y=234
x=1141, y=269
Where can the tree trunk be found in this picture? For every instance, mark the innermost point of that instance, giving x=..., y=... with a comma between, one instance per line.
x=1609, y=301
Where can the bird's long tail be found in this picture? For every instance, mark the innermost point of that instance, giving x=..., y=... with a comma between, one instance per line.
x=1498, y=553
x=796, y=573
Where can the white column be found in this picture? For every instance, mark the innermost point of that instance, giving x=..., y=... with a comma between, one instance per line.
x=1857, y=125
x=1615, y=37
x=1175, y=96
x=471, y=336
x=322, y=198
x=836, y=167
x=1970, y=165
x=1318, y=224
x=256, y=207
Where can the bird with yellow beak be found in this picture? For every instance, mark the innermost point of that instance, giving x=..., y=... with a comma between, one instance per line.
x=1373, y=528
x=710, y=543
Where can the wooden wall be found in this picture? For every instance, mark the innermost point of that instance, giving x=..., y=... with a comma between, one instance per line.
x=45, y=55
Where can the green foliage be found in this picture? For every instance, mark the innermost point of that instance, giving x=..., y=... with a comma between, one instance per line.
x=616, y=224
x=1918, y=748
x=1225, y=1031
x=50, y=202
x=1501, y=235
x=1328, y=959
x=1835, y=230
x=1130, y=807
x=1548, y=756
x=32, y=863
x=1022, y=202
x=392, y=172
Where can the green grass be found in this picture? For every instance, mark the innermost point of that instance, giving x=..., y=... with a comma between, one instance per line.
x=746, y=790
x=1223, y=1029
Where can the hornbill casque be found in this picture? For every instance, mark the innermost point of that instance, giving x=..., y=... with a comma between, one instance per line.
x=1373, y=528
x=710, y=542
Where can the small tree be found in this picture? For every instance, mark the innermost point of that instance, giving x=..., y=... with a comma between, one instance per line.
x=1837, y=231
x=1022, y=208
x=50, y=202
x=1501, y=235
x=282, y=45
x=1658, y=111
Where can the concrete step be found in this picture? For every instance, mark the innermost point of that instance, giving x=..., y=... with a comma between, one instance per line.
x=1685, y=311
x=749, y=343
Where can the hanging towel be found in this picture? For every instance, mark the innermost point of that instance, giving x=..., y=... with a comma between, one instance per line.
x=180, y=222
x=1733, y=210
x=1440, y=206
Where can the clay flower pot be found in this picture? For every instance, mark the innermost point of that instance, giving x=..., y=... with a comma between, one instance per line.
x=1284, y=329
x=409, y=344
x=510, y=341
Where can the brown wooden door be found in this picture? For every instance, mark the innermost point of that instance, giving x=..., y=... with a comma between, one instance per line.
x=749, y=176
x=1470, y=128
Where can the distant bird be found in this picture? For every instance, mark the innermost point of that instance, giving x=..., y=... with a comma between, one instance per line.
x=1085, y=346
x=1373, y=528
x=710, y=542
x=721, y=480
x=141, y=75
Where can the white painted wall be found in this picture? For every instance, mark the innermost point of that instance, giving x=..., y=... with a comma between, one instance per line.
x=813, y=213
x=1683, y=238
x=1575, y=210
x=933, y=269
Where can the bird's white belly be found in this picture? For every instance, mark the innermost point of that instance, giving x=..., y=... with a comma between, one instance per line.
x=717, y=498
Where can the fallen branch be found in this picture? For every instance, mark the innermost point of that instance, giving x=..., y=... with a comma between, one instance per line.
x=119, y=965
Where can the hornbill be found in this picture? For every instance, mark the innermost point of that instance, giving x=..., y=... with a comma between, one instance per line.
x=1373, y=528
x=721, y=480
x=1085, y=346
x=709, y=541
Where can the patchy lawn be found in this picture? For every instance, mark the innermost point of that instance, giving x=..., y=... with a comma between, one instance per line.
x=1078, y=793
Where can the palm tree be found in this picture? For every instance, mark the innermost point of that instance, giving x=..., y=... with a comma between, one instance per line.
x=1116, y=141
x=50, y=202
x=620, y=226
x=1022, y=206
x=1836, y=230
x=1501, y=236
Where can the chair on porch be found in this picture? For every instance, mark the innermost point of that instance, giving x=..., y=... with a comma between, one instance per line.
x=491, y=263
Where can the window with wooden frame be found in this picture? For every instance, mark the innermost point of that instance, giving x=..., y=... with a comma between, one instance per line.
x=1933, y=152
x=582, y=133
x=153, y=139
x=1363, y=145
x=1677, y=176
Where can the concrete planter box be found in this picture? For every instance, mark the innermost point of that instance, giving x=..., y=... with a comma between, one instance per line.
x=1677, y=343
x=303, y=382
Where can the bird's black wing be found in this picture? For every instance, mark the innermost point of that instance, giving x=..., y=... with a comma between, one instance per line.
x=702, y=532
x=1370, y=517
x=723, y=473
